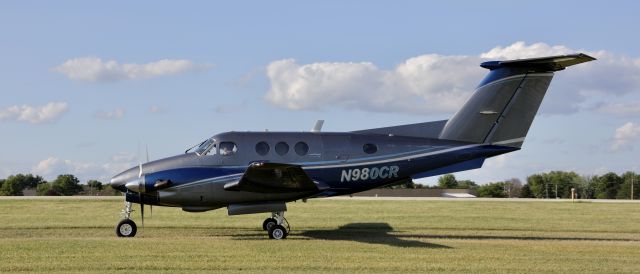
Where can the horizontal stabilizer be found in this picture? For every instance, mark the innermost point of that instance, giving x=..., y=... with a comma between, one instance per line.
x=552, y=63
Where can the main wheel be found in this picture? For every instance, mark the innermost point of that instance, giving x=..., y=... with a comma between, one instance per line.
x=126, y=228
x=277, y=232
x=268, y=223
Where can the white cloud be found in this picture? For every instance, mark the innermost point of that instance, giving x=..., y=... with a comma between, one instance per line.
x=625, y=136
x=436, y=84
x=115, y=114
x=93, y=69
x=51, y=167
x=34, y=115
x=520, y=50
x=365, y=86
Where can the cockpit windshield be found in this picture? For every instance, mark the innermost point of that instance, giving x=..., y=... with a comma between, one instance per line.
x=206, y=147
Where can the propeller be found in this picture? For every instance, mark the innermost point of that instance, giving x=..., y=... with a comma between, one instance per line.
x=139, y=186
x=146, y=148
x=141, y=182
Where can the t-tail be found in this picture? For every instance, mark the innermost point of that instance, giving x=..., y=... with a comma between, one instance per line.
x=503, y=106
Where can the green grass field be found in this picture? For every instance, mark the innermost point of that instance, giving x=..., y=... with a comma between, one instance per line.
x=77, y=236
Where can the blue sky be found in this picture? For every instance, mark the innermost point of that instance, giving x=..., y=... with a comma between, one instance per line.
x=84, y=87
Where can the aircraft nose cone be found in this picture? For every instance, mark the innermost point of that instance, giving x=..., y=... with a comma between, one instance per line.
x=117, y=182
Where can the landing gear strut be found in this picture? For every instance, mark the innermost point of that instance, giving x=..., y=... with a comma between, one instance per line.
x=126, y=227
x=275, y=226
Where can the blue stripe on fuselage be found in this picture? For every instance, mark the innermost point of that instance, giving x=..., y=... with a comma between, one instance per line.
x=185, y=175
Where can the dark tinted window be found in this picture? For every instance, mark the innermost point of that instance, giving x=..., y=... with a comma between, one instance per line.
x=282, y=148
x=262, y=148
x=370, y=148
x=301, y=148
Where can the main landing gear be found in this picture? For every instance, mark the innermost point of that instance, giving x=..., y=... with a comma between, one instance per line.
x=275, y=226
x=126, y=227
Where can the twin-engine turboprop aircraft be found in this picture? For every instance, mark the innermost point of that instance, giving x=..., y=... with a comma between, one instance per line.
x=259, y=172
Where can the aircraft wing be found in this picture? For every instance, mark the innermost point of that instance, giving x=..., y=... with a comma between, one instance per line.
x=273, y=178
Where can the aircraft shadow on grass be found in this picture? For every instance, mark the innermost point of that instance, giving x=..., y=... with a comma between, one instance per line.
x=373, y=233
x=381, y=233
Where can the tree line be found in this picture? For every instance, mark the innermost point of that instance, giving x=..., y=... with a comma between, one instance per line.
x=555, y=184
x=549, y=185
x=63, y=185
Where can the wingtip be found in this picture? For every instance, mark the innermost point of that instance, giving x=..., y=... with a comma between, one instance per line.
x=587, y=56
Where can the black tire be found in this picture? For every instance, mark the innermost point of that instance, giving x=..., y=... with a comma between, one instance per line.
x=269, y=222
x=126, y=228
x=277, y=232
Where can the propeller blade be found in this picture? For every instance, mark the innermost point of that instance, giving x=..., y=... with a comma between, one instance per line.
x=142, y=210
x=141, y=181
x=150, y=211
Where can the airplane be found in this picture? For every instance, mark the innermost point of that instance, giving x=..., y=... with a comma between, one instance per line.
x=259, y=172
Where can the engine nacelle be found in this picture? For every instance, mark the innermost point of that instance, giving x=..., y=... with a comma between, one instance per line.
x=137, y=185
x=147, y=183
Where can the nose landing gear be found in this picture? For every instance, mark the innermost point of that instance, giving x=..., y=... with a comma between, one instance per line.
x=126, y=227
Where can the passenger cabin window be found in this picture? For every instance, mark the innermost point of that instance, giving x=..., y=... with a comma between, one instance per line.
x=301, y=148
x=370, y=148
x=227, y=148
x=262, y=148
x=282, y=148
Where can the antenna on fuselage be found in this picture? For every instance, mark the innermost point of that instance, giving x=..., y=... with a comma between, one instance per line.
x=318, y=126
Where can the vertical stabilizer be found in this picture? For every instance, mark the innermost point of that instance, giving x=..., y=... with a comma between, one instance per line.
x=503, y=106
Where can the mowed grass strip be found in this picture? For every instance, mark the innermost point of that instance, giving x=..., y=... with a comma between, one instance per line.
x=69, y=236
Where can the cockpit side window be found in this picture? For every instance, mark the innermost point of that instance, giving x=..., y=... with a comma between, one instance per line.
x=208, y=147
x=227, y=148
x=212, y=150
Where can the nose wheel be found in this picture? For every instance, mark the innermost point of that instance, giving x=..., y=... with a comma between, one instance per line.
x=275, y=226
x=126, y=227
